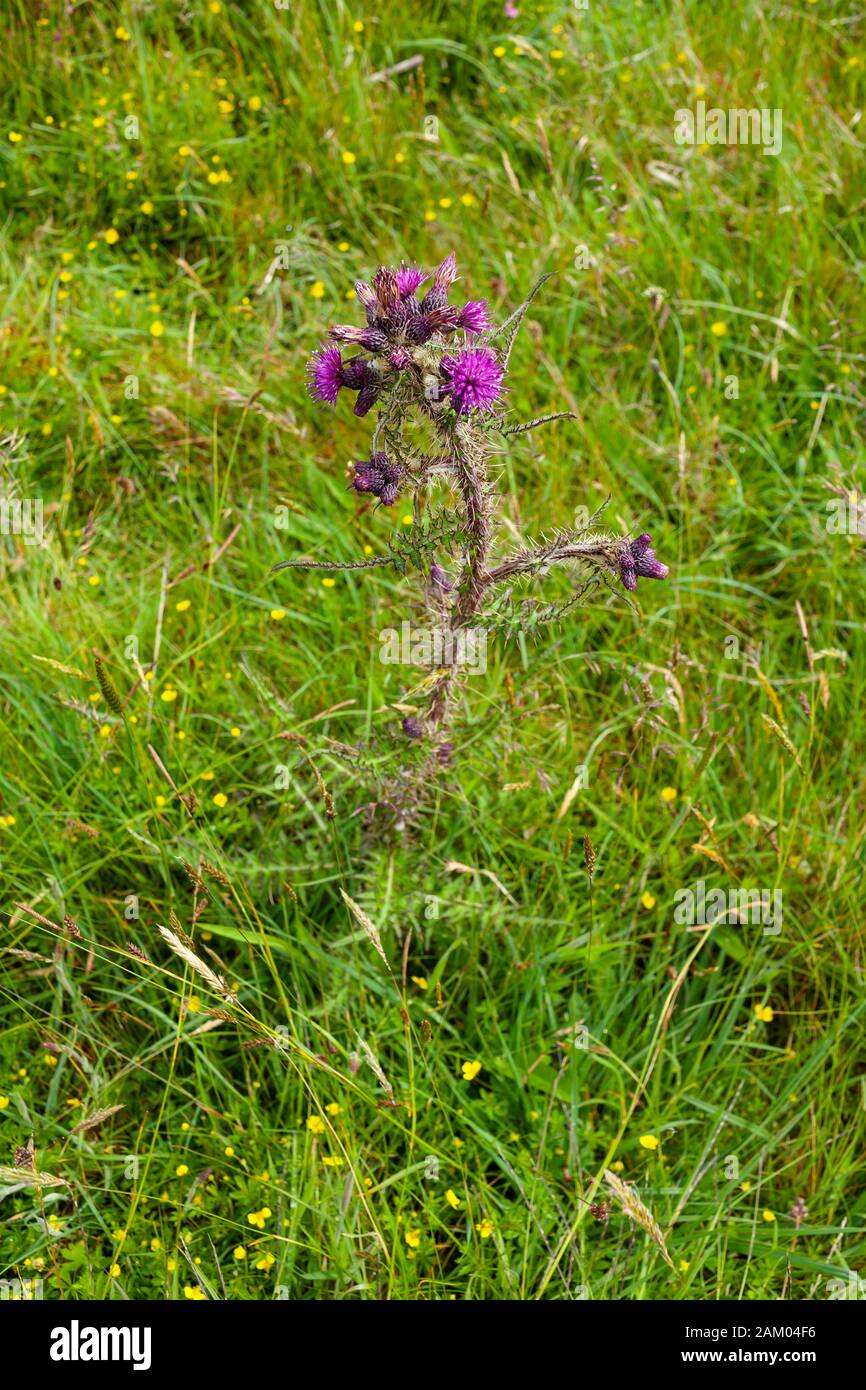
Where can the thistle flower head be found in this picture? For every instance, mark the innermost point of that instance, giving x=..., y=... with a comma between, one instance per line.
x=366, y=295
x=387, y=293
x=367, y=398
x=473, y=317
x=409, y=277
x=412, y=727
x=373, y=339
x=445, y=273
x=357, y=372
x=325, y=375
x=474, y=379
x=378, y=476
x=637, y=560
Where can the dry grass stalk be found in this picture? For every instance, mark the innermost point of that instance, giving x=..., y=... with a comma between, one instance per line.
x=637, y=1212
x=216, y=982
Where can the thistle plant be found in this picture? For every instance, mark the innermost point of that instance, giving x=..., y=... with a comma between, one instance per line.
x=436, y=376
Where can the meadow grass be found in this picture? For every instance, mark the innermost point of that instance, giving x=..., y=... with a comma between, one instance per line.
x=704, y=323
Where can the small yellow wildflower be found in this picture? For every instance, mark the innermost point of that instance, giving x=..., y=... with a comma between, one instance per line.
x=769, y=1215
x=470, y=1070
x=452, y=1199
x=220, y=799
x=413, y=1239
x=196, y=1295
x=112, y=236
x=485, y=1229
x=718, y=330
x=347, y=157
x=764, y=1013
x=315, y=1125
x=647, y=900
x=648, y=1141
x=669, y=793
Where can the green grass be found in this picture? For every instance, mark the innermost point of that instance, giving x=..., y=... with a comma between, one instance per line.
x=177, y=467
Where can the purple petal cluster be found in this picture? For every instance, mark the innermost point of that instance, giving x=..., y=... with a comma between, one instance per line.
x=397, y=322
x=379, y=477
x=473, y=379
x=637, y=560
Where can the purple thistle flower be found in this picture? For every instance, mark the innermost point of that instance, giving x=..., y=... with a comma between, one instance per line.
x=390, y=471
x=637, y=559
x=443, y=277
x=446, y=273
x=400, y=359
x=412, y=727
x=388, y=495
x=474, y=316
x=443, y=320
x=443, y=753
x=373, y=339
x=434, y=299
x=325, y=375
x=387, y=294
x=379, y=476
x=367, y=398
x=366, y=295
x=357, y=372
x=409, y=277
x=419, y=329
x=367, y=479
x=474, y=379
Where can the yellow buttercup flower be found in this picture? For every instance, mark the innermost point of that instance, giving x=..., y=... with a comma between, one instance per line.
x=470, y=1070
